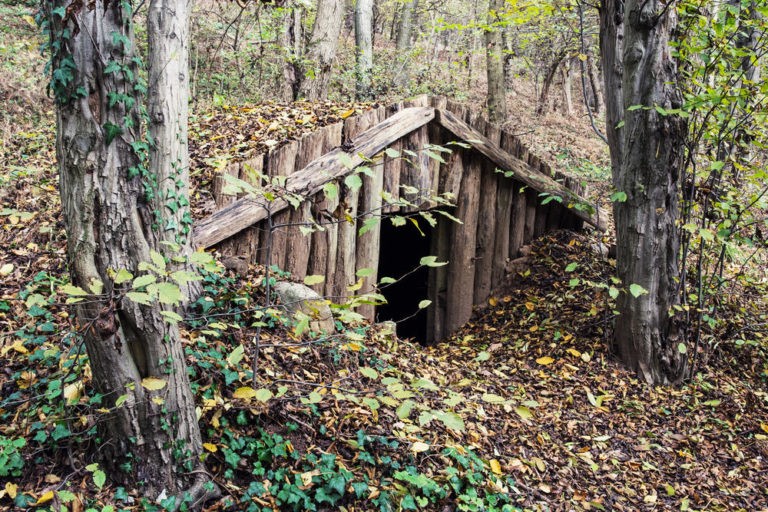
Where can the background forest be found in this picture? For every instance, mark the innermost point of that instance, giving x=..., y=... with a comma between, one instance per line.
x=532, y=405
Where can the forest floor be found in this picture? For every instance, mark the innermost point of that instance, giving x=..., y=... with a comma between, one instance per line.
x=524, y=407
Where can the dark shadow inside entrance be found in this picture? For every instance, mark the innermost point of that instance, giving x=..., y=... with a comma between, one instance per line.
x=401, y=249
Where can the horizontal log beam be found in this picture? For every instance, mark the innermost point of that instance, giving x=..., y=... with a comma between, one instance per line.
x=522, y=172
x=308, y=181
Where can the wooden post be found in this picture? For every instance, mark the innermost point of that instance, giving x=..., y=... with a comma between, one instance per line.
x=279, y=162
x=393, y=167
x=486, y=224
x=416, y=171
x=461, y=271
x=438, y=280
x=503, y=214
x=247, y=243
x=518, y=221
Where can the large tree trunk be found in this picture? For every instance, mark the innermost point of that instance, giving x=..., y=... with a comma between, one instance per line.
x=321, y=50
x=363, y=48
x=647, y=336
x=291, y=42
x=150, y=436
x=494, y=52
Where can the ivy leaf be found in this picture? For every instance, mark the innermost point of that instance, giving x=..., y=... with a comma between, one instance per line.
x=111, y=131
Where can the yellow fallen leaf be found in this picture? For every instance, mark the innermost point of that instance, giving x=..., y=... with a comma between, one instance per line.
x=6, y=269
x=348, y=113
x=530, y=306
x=495, y=466
x=574, y=352
x=11, y=490
x=492, y=301
x=764, y=426
x=244, y=393
x=524, y=412
x=52, y=479
x=45, y=498
x=153, y=383
x=73, y=392
x=545, y=360
x=210, y=447
x=418, y=446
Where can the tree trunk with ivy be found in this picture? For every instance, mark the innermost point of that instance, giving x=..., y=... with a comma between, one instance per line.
x=648, y=338
x=115, y=195
x=321, y=50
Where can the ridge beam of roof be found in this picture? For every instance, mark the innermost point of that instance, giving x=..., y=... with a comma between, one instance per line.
x=247, y=211
x=522, y=171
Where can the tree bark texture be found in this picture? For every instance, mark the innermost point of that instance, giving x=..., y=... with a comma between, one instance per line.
x=405, y=26
x=151, y=437
x=321, y=50
x=647, y=336
x=494, y=52
x=363, y=48
x=611, y=45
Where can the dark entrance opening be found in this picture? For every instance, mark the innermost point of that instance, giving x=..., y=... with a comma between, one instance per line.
x=402, y=247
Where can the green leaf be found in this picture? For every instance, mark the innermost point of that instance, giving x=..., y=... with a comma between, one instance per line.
x=140, y=298
x=183, y=277
x=200, y=258
x=169, y=293
x=424, y=303
x=571, y=267
x=122, y=276
x=482, y=356
x=157, y=260
x=524, y=412
x=493, y=399
x=392, y=153
x=682, y=348
x=613, y=292
x=369, y=372
x=346, y=160
x=450, y=419
x=144, y=280
x=405, y=409
x=263, y=395
x=431, y=261
x=171, y=316
x=71, y=290
x=314, y=279
x=636, y=290
x=364, y=272
x=236, y=355
x=99, y=478
x=353, y=182
x=619, y=197
x=314, y=398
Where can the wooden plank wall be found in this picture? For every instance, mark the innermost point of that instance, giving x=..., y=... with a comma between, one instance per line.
x=498, y=215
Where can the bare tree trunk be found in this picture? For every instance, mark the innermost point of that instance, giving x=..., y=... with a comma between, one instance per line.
x=567, y=86
x=363, y=48
x=151, y=437
x=313, y=82
x=594, y=85
x=549, y=78
x=405, y=25
x=291, y=40
x=647, y=336
x=494, y=50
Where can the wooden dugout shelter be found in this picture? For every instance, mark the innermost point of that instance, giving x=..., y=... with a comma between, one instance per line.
x=499, y=212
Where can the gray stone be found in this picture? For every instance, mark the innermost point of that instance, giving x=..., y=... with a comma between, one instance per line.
x=296, y=297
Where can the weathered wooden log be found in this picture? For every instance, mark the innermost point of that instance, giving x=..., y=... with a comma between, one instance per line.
x=517, y=221
x=247, y=211
x=440, y=246
x=487, y=221
x=279, y=162
x=461, y=269
x=522, y=172
x=503, y=214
